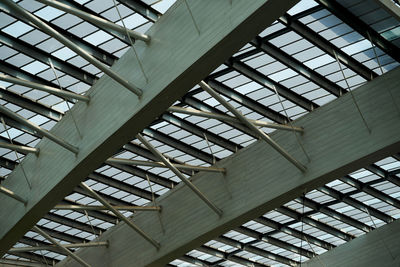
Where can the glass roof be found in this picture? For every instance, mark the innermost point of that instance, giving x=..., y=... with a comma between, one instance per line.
x=311, y=37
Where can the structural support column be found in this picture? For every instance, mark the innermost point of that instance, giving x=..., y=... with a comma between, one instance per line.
x=380, y=247
x=258, y=179
x=177, y=58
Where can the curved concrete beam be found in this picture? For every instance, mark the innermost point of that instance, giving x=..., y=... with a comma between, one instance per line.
x=258, y=179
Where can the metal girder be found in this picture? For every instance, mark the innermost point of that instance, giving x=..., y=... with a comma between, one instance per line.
x=361, y=27
x=334, y=214
x=248, y=247
x=326, y=46
x=143, y=9
x=293, y=232
x=371, y=191
x=390, y=7
x=376, y=248
x=72, y=223
x=298, y=66
x=168, y=140
x=120, y=36
x=157, y=179
x=25, y=102
x=270, y=84
x=105, y=126
x=337, y=144
x=191, y=101
x=227, y=256
x=62, y=236
x=357, y=204
x=383, y=173
x=248, y=102
x=267, y=238
x=100, y=54
x=45, y=58
x=43, y=260
x=317, y=224
x=196, y=130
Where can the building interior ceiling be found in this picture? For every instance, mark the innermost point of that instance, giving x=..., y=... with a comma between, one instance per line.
x=316, y=52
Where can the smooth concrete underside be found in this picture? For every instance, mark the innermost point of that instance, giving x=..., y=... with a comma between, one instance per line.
x=177, y=58
x=258, y=179
x=380, y=247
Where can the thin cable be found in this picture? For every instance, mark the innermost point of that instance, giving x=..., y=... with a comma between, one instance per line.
x=302, y=228
x=16, y=154
x=153, y=199
x=131, y=41
x=209, y=147
x=316, y=255
x=191, y=15
x=66, y=100
x=351, y=92
x=90, y=222
x=291, y=124
x=41, y=253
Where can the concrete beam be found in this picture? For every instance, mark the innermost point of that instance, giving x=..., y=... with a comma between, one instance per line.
x=258, y=179
x=380, y=247
x=176, y=59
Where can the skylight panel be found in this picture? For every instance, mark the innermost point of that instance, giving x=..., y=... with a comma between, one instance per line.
x=302, y=6
x=48, y=13
x=35, y=67
x=19, y=60
x=17, y=29
x=98, y=37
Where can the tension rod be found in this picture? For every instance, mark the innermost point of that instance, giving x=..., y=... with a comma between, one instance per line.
x=251, y=126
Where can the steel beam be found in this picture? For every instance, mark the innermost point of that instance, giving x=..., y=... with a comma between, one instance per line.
x=74, y=47
x=337, y=143
x=100, y=54
x=377, y=248
x=326, y=46
x=105, y=126
x=143, y=9
x=361, y=27
x=272, y=85
x=390, y=7
x=298, y=66
x=248, y=102
x=96, y=20
x=46, y=58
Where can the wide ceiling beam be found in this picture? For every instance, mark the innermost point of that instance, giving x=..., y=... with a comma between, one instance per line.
x=377, y=248
x=177, y=58
x=258, y=179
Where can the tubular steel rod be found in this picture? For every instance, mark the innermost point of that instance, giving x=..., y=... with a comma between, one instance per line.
x=22, y=149
x=251, y=126
x=87, y=207
x=179, y=174
x=205, y=114
x=52, y=240
x=12, y=194
x=162, y=165
x=62, y=39
x=120, y=215
x=77, y=245
x=44, y=88
x=39, y=130
x=98, y=21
